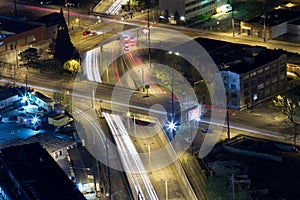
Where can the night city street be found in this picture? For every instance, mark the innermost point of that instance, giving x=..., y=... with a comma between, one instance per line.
x=149, y=100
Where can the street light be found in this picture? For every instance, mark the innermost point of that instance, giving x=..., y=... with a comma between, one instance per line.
x=166, y=188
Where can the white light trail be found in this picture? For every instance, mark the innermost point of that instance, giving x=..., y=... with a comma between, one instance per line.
x=115, y=7
x=130, y=157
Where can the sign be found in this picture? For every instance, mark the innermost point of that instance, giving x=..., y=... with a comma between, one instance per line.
x=145, y=30
x=194, y=114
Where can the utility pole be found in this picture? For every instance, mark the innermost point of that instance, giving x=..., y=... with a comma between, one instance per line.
x=148, y=25
x=26, y=85
x=172, y=105
x=68, y=16
x=108, y=172
x=232, y=20
x=228, y=128
x=16, y=13
x=232, y=185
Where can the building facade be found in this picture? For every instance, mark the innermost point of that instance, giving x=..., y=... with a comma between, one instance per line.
x=250, y=86
x=272, y=25
x=188, y=9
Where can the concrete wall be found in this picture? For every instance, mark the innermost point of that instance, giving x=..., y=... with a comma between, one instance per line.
x=279, y=30
x=293, y=29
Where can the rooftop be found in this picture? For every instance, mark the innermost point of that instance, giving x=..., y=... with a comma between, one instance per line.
x=42, y=97
x=50, y=141
x=37, y=173
x=6, y=92
x=50, y=19
x=11, y=26
x=238, y=58
x=275, y=17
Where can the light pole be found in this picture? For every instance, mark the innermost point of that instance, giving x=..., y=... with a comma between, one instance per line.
x=134, y=125
x=166, y=188
x=264, y=16
x=149, y=154
x=143, y=80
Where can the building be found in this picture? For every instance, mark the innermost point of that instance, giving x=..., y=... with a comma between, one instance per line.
x=42, y=101
x=51, y=21
x=17, y=34
x=10, y=97
x=29, y=120
x=188, y=9
x=272, y=24
x=57, y=145
x=29, y=172
x=59, y=120
x=255, y=79
x=250, y=74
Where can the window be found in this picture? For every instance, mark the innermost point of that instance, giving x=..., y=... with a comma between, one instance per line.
x=233, y=86
x=21, y=42
x=30, y=38
x=260, y=71
x=246, y=77
x=267, y=68
x=253, y=74
x=234, y=95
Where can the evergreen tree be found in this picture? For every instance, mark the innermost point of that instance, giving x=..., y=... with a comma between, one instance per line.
x=64, y=49
x=176, y=16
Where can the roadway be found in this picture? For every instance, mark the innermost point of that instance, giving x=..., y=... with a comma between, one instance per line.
x=113, y=26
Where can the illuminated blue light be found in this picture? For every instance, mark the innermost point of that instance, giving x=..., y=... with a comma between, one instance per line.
x=35, y=119
x=172, y=125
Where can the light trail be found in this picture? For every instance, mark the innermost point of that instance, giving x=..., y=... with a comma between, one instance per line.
x=250, y=130
x=115, y=7
x=91, y=65
x=257, y=131
x=130, y=158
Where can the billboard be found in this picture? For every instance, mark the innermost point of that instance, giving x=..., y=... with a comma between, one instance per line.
x=194, y=114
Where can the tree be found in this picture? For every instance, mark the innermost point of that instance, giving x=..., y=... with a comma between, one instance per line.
x=72, y=66
x=289, y=104
x=29, y=56
x=176, y=16
x=64, y=49
x=166, y=15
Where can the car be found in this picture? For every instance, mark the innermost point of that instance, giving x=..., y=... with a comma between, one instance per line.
x=92, y=33
x=206, y=130
x=86, y=33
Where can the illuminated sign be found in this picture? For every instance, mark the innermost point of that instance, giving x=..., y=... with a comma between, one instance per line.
x=194, y=114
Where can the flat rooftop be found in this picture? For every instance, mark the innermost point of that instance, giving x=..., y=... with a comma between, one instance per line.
x=37, y=173
x=13, y=26
x=275, y=17
x=238, y=58
x=6, y=92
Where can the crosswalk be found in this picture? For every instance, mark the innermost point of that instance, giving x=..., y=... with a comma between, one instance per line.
x=156, y=91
